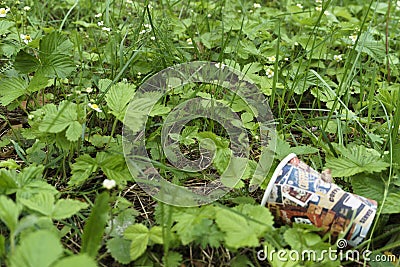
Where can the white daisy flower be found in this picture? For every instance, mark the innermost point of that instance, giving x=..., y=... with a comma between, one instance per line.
x=109, y=184
x=26, y=38
x=94, y=107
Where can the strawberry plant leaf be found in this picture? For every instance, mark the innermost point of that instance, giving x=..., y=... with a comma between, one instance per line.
x=9, y=212
x=41, y=248
x=56, y=122
x=84, y=166
x=74, y=131
x=139, y=236
x=355, y=159
x=119, y=249
x=11, y=89
x=42, y=202
x=26, y=63
x=82, y=260
x=65, y=208
x=173, y=259
x=118, y=98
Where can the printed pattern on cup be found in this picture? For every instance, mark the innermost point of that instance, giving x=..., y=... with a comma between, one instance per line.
x=300, y=195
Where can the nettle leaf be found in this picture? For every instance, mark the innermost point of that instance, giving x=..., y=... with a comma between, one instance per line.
x=119, y=249
x=11, y=89
x=41, y=248
x=118, y=98
x=244, y=224
x=356, y=159
x=82, y=260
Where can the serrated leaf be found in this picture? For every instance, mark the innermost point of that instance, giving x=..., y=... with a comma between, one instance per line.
x=65, y=208
x=119, y=249
x=118, y=97
x=57, y=66
x=5, y=25
x=139, y=236
x=42, y=202
x=41, y=248
x=84, y=166
x=174, y=259
x=155, y=235
x=11, y=89
x=244, y=224
x=26, y=63
x=114, y=167
x=82, y=260
x=355, y=159
x=74, y=131
x=118, y=224
x=57, y=122
x=9, y=213
x=55, y=43
x=95, y=225
x=391, y=205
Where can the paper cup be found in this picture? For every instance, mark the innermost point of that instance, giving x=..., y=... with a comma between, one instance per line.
x=296, y=193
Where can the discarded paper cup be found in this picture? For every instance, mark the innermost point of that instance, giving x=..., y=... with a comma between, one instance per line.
x=296, y=193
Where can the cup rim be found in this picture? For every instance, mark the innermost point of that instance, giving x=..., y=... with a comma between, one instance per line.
x=275, y=175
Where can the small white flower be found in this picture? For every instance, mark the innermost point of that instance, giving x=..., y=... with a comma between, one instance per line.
x=27, y=8
x=142, y=32
x=152, y=38
x=296, y=43
x=147, y=26
x=100, y=23
x=3, y=12
x=270, y=73
x=256, y=5
x=189, y=41
x=326, y=13
x=95, y=107
x=106, y=29
x=208, y=15
x=251, y=11
x=239, y=11
x=353, y=38
x=398, y=5
x=286, y=59
x=318, y=1
x=109, y=184
x=337, y=58
x=318, y=8
x=89, y=90
x=26, y=38
x=129, y=1
x=220, y=65
x=300, y=6
x=31, y=116
x=271, y=59
x=98, y=15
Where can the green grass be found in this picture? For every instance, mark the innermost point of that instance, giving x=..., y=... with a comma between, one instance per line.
x=329, y=71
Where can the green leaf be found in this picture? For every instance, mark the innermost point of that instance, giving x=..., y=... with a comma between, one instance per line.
x=155, y=235
x=9, y=213
x=84, y=166
x=41, y=248
x=56, y=122
x=118, y=98
x=11, y=89
x=42, y=202
x=356, y=159
x=118, y=224
x=95, y=225
x=82, y=260
x=74, y=131
x=244, y=224
x=139, y=235
x=173, y=259
x=26, y=63
x=391, y=205
x=114, y=167
x=5, y=25
x=65, y=208
x=2, y=245
x=119, y=249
